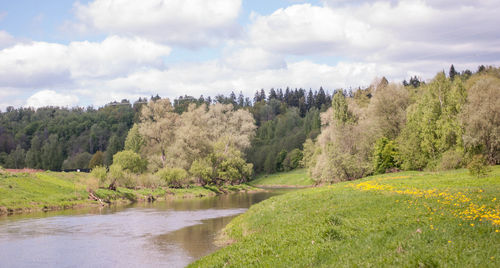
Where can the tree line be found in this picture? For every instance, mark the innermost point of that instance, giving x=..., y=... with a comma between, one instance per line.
x=450, y=122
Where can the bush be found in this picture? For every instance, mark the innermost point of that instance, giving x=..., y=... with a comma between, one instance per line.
x=99, y=172
x=96, y=160
x=77, y=161
x=130, y=161
x=174, y=177
x=202, y=170
x=293, y=160
x=451, y=160
x=478, y=166
x=384, y=155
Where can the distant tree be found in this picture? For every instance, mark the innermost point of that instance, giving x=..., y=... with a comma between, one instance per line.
x=452, y=72
x=480, y=119
x=96, y=160
x=134, y=141
x=341, y=113
x=52, y=153
x=130, y=161
x=16, y=158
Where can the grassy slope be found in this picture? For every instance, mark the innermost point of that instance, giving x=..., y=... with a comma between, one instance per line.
x=404, y=219
x=57, y=190
x=298, y=177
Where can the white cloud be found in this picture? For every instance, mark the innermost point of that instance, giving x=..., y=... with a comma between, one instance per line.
x=191, y=23
x=51, y=98
x=382, y=30
x=251, y=59
x=41, y=64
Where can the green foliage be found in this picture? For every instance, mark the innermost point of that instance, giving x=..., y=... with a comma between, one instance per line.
x=293, y=160
x=480, y=118
x=134, y=141
x=478, y=166
x=100, y=173
x=451, y=160
x=96, y=160
x=229, y=164
x=77, y=161
x=432, y=127
x=174, y=177
x=202, y=170
x=279, y=160
x=341, y=113
x=384, y=155
x=130, y=161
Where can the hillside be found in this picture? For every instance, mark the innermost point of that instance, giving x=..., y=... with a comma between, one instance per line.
x=402, y=219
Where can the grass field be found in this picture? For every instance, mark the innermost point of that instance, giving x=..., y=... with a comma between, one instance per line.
x=298, y=177
x=408, y=219
x=24, y=192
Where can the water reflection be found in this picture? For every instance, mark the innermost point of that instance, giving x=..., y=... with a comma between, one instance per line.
x=171, y=233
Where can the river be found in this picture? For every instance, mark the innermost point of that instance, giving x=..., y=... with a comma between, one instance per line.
x=162, y=234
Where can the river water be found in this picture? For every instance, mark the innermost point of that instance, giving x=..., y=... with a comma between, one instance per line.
x=162, y=234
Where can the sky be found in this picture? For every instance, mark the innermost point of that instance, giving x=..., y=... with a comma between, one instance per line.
x=82, y=53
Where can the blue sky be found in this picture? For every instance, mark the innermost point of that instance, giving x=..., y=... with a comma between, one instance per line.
x=92, y=52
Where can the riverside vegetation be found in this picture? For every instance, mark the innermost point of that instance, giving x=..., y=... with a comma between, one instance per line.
x=417, y=219
x=24, y=192
x=156, y=147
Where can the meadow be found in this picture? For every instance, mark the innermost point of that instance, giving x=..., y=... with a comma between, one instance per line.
x=417, y=219
x=25, y=192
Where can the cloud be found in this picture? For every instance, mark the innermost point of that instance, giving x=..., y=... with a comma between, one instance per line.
x=51, y=98
x=41, y=64
x=382, y=30
x=189, y=23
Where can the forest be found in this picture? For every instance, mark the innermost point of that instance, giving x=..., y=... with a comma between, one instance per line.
x=448, y=122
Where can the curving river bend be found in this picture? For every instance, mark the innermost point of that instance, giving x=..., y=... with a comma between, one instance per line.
x=162, y=234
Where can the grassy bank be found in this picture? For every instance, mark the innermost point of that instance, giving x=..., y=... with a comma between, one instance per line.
x=409, y=219
x=294, y=178
x=24, y=192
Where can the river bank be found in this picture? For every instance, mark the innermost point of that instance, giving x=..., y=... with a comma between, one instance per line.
x=293, y=179
x=424, y=219
x=47, y=191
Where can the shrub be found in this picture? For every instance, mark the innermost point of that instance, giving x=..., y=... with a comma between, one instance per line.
x=384, y=155
x=293, y=160
x=130, y=161
x=174, y=177
x=99, y=172
x=202, y=170
x=478, y=166
x=96, y=160
x=451, y=160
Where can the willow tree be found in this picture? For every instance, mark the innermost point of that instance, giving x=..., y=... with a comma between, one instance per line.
x=158, y=124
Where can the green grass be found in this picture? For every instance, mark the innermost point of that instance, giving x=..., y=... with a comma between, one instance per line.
x=378, y=221
x=23, y=192
x=298, y=177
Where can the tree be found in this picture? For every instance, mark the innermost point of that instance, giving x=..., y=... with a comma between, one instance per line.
x=52, y=153
x=77, y=161
x=16, y=158
x=34, y=154
x=452, y=72
x=130, y=161
x=134, y=141
x=480, y=119
x=158, y=124
x=341, y=113
x=432, y=126
x=384, y=155
x=96, y=160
